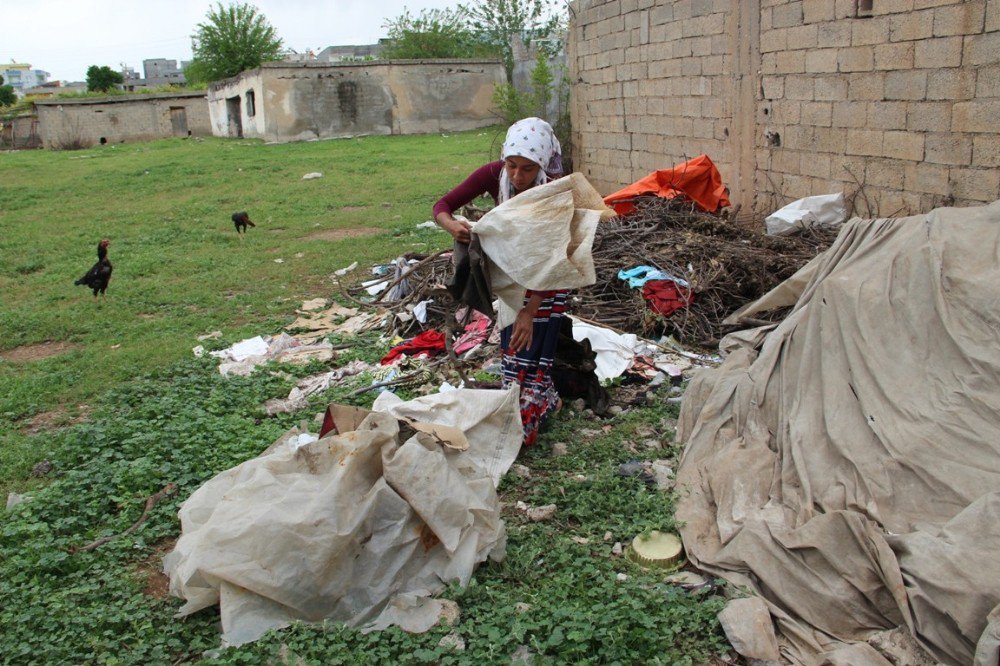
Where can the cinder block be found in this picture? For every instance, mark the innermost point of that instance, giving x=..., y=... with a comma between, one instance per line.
x=910, y=26
x=903, y=146
x=992, y=17
x=819, y=114
x=884, y=173
x=661, y=13
x=966, y=18
x=907, y=85
x=894, y=56
x=773, y=86
x=870, y=31
x=891, y=6
x=928, y=178
x=816, y=11
x=799, y=87
x=787, y=15
x=939, y=52
x=837, y=34
x=948, y=148
x=887, y=115
x=951, y=84
x=855, y=59
x=986, y=150
x=891, y=203
x=802, y=37
x=981, y=49
x=821, y=61
x=864, y=142
x=830, y=88
x=790, y=62
x=816, y=165
x=925, y=4
x=712, y=65
x=976, y=116
x=976, y=184
x=928, y=116
x=988, y=82
x=850, y=114
x=797, y=187
x=867, y=86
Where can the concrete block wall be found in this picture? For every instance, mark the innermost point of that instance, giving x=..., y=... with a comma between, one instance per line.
x=85, y=121
x=304, y=101
x=793, y=97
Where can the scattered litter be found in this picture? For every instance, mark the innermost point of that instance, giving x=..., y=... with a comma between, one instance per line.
x=298, y=397
x=214, y=335
x=242, y=357
x=420, y=310
x=198, y=351
x=541, y=513
x=340, y=272
x=621, y=577
x=688, y=580
x=279, y=261
x=313, y=304
x=312, y=175
x=823, y=210
x=522, y=471
x=583, y=541
x=429, y=224
x=662, y=550
x=13, y=499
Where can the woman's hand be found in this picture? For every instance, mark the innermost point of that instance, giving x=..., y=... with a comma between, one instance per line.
x=460, y=230
x=521, y=333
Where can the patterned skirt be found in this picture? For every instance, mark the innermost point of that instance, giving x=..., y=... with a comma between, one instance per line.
x=531, y=368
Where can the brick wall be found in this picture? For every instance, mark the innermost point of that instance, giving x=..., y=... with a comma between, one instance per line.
x=794, y=97
x=85, y=121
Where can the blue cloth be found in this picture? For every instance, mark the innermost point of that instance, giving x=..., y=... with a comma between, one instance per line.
x=640, y=275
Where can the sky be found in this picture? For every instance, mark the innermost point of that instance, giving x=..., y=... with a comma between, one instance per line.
x=65, y=37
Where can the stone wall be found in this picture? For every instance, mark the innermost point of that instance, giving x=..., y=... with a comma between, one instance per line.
x=69, y=123
x=303, y=101
x=794, y=97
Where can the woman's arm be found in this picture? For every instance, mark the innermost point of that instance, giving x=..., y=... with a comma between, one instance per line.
x=484, y=180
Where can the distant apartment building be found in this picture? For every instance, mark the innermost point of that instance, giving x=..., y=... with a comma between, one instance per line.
x=155, y=72
x=21, y=77
x=350, y=53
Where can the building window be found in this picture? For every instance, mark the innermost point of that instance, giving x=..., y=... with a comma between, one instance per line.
x=863, y=8
x=251, y=110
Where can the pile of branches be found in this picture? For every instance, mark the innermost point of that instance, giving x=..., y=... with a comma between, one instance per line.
x=726, y=265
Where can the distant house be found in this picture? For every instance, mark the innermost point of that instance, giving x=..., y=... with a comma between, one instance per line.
x=21, y=77
x=349, y=53
x=73, y=123
x=283, y=101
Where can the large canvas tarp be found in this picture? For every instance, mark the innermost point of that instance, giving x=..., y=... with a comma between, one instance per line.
x=845, y=466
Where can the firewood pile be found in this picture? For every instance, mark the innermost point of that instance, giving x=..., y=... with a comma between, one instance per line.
x=726, y=265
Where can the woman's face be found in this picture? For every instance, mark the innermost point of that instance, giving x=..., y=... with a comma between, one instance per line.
x=521, y=171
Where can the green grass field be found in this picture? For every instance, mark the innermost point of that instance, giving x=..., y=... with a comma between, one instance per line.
x=123, y=408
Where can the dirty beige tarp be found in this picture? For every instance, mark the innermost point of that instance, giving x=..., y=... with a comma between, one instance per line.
x=361, y=527
x=541, y=239
x=848, y=470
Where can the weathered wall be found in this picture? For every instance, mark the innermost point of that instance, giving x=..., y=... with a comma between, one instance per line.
x=85, y=121
x=303, y=101
x=794, y=97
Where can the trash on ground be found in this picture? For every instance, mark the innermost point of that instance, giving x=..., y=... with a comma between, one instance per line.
x=822, y=210
x=662, y=550
x=697, y=180
x=312, y=175
x=362, y=526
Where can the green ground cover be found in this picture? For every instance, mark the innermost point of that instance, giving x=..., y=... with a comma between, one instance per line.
x=154, y=415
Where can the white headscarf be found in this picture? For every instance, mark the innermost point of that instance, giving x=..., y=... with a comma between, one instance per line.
x=532, y=139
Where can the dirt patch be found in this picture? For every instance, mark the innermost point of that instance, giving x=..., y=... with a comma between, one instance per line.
x=155, y=583
x=26, y=353
x=340, y=234
x=54, y=419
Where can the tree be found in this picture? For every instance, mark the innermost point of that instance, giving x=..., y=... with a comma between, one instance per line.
x=434, y=33
x=102, y=79
x=7, y=95
x=499, y=20
x=232, y=39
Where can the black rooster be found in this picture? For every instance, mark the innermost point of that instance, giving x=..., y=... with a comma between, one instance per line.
x=98, y=277
x=242, y=221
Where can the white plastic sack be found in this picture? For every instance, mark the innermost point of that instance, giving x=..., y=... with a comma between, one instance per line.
x=823, y=210
x=541, y=240
x=360, y=527
x=615, y=351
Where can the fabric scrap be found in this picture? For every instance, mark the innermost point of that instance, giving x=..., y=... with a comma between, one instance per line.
x=697, y=179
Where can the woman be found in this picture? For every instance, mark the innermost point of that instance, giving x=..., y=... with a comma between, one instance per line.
x=530, y=156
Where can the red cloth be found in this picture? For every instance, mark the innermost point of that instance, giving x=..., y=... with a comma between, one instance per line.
x=665, y=297
x=697, y=179
x=429, y=342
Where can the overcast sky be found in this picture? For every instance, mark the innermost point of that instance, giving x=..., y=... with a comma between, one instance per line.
x=64, y=37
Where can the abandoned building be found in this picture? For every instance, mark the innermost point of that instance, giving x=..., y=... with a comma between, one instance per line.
x=282, y=101
x=87, y=121
x=894, y=101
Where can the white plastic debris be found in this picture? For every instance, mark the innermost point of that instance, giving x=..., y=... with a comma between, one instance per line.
x=429, y=224
x=823, y=210
x=340, y=272
x=312, y=175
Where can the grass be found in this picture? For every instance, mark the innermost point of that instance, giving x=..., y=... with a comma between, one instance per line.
x=156, y=415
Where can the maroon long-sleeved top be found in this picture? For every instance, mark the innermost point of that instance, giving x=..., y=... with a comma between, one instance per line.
x=484, y=180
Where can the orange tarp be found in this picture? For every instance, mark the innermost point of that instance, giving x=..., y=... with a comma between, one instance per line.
x=696, y=179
